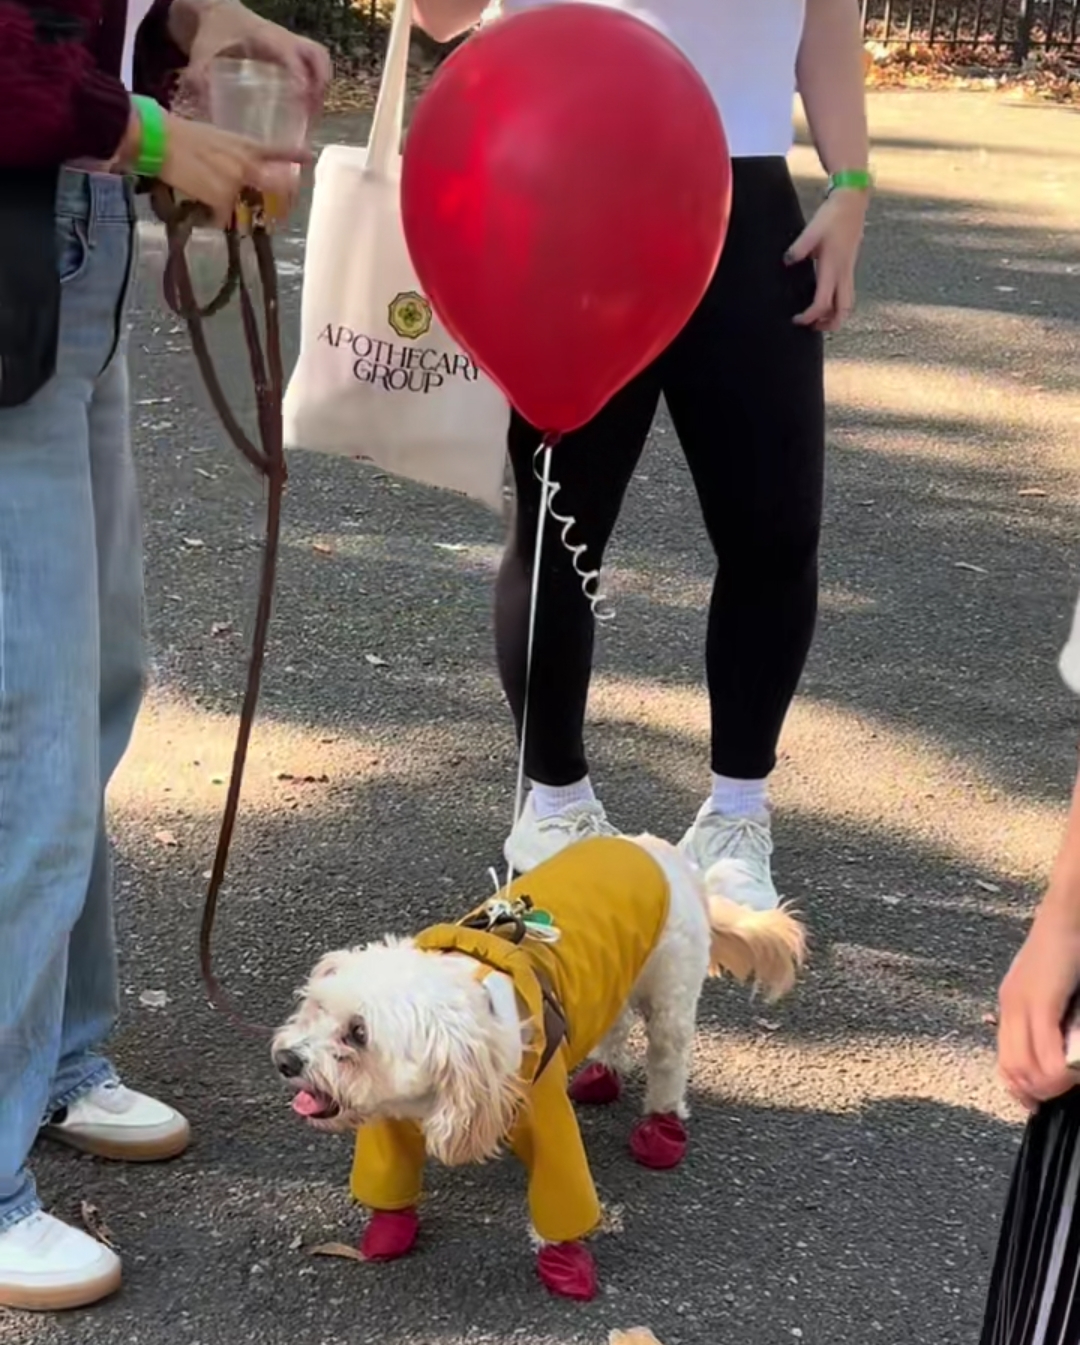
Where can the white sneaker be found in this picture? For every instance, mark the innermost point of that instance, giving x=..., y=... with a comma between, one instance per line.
x=536, y=839
x=734, y=854
x=112, y=1121
x=48, y=1266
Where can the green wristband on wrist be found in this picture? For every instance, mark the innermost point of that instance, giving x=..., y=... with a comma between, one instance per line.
x=850, y=179
x=154, y=142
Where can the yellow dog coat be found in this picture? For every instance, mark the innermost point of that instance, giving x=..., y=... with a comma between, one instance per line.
x=608, y=898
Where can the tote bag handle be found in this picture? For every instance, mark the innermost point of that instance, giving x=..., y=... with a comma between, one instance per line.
x=384, y=144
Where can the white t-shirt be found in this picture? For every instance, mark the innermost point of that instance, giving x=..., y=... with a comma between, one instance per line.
x=137, y=10
x=745, y=50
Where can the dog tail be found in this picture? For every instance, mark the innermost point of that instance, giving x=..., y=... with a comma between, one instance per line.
x=764, y=947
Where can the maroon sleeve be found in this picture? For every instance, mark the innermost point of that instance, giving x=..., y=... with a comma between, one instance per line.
x=158, y=59
x=55, y=104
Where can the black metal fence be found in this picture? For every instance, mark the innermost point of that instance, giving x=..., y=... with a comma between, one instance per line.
x=1011, y=27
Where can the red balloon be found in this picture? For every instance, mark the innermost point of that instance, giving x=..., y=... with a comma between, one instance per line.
x=565, y=191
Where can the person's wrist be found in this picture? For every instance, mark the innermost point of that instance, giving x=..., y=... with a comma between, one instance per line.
x=1059, y=909
x=851, y=183
x=128, y=150
x=153, y=143
x=202, y=10
x=187, y=17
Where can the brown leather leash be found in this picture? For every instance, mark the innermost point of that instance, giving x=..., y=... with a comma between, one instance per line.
x=267, y=457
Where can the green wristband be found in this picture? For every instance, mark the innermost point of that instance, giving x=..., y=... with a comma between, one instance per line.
x=850, y=179
x=154, y=142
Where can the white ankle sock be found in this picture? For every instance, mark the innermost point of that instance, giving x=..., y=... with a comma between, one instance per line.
x=739, y=798
x=548, y=800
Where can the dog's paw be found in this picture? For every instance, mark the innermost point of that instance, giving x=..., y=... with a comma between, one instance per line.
x=659, y=1141
x=389, y=1234
x=595, y=1086
x=568, y=1269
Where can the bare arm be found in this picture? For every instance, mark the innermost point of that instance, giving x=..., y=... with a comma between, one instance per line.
x=832, y=84
x=1046, y=973
x=829, y=72
x=445, y=19
x=1064, y=891
x=1036, y=993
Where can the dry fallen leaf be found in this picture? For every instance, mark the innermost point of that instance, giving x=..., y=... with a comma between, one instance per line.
x=167, y=839
x=339, y=1249
x=987, y=887
x=990, y=1020
x=1032, y=493
x=638, y=1335
x=95, y=1225
x=967, y=565
x=375, y=660
x=194, y=542
x=154, y=999
x=323, y=548
x=221, y=628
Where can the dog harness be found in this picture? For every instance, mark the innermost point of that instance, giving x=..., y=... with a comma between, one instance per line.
x=604, y=904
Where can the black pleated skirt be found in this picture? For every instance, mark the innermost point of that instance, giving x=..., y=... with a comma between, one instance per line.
x=1034, y=1294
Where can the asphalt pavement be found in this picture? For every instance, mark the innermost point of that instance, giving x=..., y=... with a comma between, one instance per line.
x=850, y=1149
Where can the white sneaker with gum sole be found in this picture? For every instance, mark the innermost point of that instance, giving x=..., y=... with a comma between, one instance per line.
x=48, y=1266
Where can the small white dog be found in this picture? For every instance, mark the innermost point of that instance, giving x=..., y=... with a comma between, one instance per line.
x=462, y=1039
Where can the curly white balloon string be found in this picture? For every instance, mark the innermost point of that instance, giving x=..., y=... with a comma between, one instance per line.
x=544, y=477
x=590, y=579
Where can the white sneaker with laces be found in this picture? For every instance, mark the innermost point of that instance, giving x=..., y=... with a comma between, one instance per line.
x=734, y=854
x=535, y=839
x=48, y=1266
x=115, y=1122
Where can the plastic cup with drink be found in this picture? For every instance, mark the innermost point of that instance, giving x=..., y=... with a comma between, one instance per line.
x=262, y=101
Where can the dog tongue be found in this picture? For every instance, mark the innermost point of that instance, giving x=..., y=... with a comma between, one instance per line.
x=307, y=1104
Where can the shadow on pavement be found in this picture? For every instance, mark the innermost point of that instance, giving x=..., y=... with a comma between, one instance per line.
x=807, y=1225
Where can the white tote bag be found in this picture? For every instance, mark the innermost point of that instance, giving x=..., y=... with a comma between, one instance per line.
x=378, y=376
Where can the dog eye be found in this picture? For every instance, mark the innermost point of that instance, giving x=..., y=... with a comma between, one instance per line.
x=357, y=1034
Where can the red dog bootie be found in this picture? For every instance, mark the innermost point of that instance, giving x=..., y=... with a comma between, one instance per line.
x=659, y=1141
x=389, y=1234
x=568, y=1269
x=595, y=1086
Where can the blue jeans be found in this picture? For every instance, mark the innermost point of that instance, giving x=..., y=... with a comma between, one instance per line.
x=71, y=679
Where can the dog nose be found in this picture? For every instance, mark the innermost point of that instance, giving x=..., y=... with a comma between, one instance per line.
x=289, y=1064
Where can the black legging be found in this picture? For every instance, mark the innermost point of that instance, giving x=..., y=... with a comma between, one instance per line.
x=744, y=387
